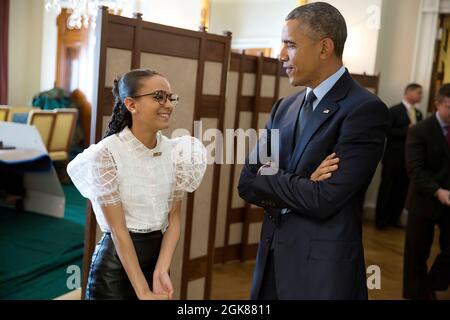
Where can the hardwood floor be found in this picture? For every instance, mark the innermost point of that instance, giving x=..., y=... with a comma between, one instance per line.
x=231, y=281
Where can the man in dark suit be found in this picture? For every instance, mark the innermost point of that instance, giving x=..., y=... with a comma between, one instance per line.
x=394, y=180
x=428, y=203
x=311, y=239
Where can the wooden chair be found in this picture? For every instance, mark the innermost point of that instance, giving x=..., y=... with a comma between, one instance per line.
x=4, y=112
x=62, y=135
x=14, y=110
x=44, y=121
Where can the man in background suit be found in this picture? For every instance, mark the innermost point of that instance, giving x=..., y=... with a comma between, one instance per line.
x=311, y=239
x=394, y=180
x=428, y=202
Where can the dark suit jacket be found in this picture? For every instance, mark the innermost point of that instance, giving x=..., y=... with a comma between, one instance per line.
x=394, y=156
x=428, y=167
x=318, y=251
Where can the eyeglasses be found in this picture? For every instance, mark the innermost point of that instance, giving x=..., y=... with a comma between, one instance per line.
x=161, y=97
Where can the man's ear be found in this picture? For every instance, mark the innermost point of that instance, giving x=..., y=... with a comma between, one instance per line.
x=327, y=48
x=130, y=104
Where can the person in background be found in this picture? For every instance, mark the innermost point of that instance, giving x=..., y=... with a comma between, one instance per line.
x=394, y=180
x=428, y=202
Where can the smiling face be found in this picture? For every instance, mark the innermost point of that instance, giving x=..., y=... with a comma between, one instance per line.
x=300, y=54
x=146, y=110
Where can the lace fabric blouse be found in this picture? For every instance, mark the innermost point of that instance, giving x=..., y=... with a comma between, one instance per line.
x=121, y=169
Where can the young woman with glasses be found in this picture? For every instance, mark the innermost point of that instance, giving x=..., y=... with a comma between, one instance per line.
x=135, y=178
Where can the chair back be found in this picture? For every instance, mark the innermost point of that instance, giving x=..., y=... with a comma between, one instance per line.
x=44, y=122
x=63, y=131
x=4, y=112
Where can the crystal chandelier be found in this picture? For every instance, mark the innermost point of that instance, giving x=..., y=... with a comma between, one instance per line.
x=83, y=12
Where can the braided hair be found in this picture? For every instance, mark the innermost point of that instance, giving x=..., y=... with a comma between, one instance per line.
x=126, y=86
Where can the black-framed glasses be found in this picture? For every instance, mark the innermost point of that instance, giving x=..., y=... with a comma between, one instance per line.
x=161, y=97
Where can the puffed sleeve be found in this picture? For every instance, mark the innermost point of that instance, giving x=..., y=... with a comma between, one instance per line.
x=94, y=174
x=189, y=158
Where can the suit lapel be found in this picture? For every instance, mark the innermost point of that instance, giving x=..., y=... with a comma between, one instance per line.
x=405, y=115
x=440, y=136
x=287, y=129
x=322, y=113
x=326, y=108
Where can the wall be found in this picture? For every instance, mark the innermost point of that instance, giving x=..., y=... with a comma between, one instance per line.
x=25, y=50
x=49, y=48
x=258, y=24
x=399, y=20
x=33, y=40
x=177, y=13
x=363, y=22
x=253, y=23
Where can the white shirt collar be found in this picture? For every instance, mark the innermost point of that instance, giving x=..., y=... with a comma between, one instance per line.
x=323, y=88
x=136, y=145
x=407, y=104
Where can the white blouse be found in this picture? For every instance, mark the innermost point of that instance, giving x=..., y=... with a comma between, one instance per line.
x=121, y=169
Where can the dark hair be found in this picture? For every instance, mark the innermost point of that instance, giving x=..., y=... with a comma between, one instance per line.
x=325, y=21
x=444, y=92
x=126, y=86
x=412, y=86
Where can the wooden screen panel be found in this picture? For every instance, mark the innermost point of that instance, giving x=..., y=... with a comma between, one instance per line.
x=224, y=190
x=246, y=68
x=195, y=288
x=285, y=87
x=266, y=94
x=121, y=36
x=174, y=44
x=118, y=62
x=156, y=46
x=182, y=75
x=202, y=206
x=212, y=76
x=371, y=83
x=268, y=83
x=248, y=86
x=261, y=83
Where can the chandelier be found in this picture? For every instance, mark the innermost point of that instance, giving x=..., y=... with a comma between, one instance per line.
x=83, y=12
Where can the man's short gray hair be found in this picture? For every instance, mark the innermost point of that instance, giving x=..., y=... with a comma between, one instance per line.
x=324, y=21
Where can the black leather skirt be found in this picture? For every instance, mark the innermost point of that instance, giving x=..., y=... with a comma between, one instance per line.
x=107, y=277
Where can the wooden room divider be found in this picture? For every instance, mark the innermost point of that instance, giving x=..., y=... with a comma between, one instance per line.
x=254, y=85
